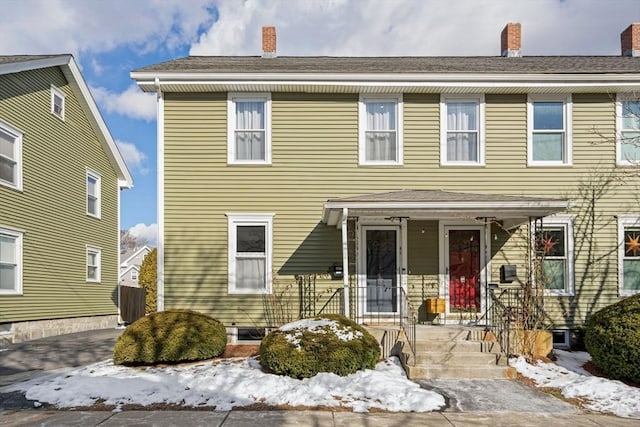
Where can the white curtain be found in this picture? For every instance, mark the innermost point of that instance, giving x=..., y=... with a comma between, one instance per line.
x=250, y=131
x=381, y=131
x=462, y=135
x=250, y=273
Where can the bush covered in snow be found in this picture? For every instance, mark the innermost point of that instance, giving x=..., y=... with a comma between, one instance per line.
x=329, y=343
x=613, y=339
x=169, y=337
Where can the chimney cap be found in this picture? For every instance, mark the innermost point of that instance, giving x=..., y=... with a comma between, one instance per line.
x=268, y=41
x=511, y=40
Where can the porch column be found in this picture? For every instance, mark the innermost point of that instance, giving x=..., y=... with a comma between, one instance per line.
x=345, y=261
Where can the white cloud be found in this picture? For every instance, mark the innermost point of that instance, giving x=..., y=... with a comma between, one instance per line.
x=148, y=232
x=135, y=159
x=418, y=27
x=132, y=102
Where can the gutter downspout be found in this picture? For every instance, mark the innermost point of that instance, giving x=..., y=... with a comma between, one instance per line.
x=160, y=135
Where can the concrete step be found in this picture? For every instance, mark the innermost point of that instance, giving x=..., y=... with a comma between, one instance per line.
x=460, y=372
x=455, y=359
x=454, y=346
x=442, y=333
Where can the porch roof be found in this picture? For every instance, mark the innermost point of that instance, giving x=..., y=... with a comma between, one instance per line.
x=438, y=204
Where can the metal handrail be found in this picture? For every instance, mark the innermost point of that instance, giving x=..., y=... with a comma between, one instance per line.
x=332, y=303
x=410, y=325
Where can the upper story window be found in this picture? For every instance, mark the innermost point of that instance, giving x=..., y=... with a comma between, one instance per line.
x=628, y=123
x=10, y=156
x=249, y=133
x=380, y=130
x=629, y=255
x=93, y=264
x=134, y=274
x=250, y=246
x=57, y=102
x=549, y=131
x=462, y=130
x=93, y=194
x=555, y=245
x=10, y=261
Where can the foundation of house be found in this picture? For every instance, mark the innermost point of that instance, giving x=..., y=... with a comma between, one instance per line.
x=30, y=330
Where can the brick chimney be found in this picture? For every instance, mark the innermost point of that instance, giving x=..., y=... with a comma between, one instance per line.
x=510, y=40
x=630, y=40
x=268, y=42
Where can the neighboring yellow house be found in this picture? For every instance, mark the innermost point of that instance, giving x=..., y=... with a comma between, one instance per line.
x=60, y=181
x=294, y=185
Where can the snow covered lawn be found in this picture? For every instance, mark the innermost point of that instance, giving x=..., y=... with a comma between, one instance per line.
x=226, y=383
x=567, y=375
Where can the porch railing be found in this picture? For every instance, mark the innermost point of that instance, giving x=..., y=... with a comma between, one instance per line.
x=335, y=303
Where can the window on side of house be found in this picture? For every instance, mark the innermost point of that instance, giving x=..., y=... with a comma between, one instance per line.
x=462, y=125
x=555, y=247
x=93, y=194
x=93, y=264
x=250, y=246
x=57, y=102
x=628, y=132
x=10, y=262
x=134, y=274
x=629, y=255
x=10, y=156
x=380, y=130
x=549, y=131
x=249, y=133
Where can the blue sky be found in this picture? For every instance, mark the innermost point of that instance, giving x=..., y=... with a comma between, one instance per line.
x=111, y=38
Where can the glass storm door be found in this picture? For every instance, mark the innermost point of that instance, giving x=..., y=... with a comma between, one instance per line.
x=382, y=271
x=464, y=270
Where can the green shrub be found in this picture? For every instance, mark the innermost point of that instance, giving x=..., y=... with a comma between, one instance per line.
x=170, y=337
x=613, y=339
x=148, y=279
x=301, y=352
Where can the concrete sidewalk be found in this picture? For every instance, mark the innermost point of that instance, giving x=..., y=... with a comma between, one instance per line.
x=302, y=418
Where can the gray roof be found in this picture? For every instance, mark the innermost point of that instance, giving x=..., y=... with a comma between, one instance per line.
x=8, y=59
x=427, y=64
x=419, y=196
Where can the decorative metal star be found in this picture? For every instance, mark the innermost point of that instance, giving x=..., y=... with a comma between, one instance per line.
x=633, y=244
x=548, y=244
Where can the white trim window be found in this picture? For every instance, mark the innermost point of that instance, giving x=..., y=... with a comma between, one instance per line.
x=380, y=130
x=249, y=128
x=57, y=102
x=462, y=130
x=628, y=131
x=629, y=255
x=10, y=262
x=555, y=245
x=10, y=156
x=549, y=131
x=134, y=275
x=94, y=259
x=250, y=248
x=93, y=194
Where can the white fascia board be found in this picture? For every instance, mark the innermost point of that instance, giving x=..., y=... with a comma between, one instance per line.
x=34, y=64
x=136, y=253
x=125, y=178
x=406, y=78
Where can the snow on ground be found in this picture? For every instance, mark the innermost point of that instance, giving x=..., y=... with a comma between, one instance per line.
x=573, y=381
x=228, y=383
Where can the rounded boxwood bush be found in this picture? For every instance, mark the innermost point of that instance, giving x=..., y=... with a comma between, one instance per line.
x=170, y=337
x=328, y=343
x=612, y=339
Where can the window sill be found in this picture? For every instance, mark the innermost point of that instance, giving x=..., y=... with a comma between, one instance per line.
x=549, y=165
x=12, y=293
x=548, y=293
x=93, y=216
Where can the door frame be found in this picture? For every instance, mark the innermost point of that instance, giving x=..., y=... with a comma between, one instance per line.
x=485, y=261
x=401, y=262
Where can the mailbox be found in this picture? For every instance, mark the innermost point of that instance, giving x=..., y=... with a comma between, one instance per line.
x=336, y=271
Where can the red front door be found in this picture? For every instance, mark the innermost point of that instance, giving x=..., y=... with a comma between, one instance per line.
x=464, y=270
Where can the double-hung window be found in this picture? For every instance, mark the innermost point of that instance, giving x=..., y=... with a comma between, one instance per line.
x=10, y=261
x=380, y=135
x=628, y=120
x=10, y=156
x=549, y=131
x=629, y=255
x=462, y=130
x=250, y=246
x=93, y=264
x=555, y=249
x=93, y=194
x=57, y=102
x=249, y=128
